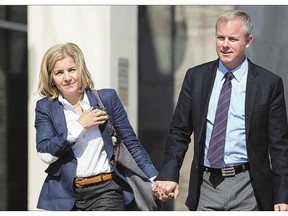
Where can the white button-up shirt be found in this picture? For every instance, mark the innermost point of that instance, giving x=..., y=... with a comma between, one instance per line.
x=235, y=145
x=89, y=147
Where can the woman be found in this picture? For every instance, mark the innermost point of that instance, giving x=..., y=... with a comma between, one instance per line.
x=73, y=138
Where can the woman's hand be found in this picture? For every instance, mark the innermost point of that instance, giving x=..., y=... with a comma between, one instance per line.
x=92, y=117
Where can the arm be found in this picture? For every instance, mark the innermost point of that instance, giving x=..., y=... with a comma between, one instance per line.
x=125, y=131
x=278, y=136
x=50, y=143
x=179, y=135
x=166, y=185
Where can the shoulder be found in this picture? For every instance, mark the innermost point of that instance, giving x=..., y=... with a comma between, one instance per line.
x=200, y=72
x=107, y=92
x=205, y=67
x=258, y=70
x=106, y=95
x=46, y=103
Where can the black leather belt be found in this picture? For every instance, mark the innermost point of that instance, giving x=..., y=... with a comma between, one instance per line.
x=228, y=171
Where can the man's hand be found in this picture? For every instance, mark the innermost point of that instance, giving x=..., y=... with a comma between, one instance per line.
x=281, y=207
x=165, y=190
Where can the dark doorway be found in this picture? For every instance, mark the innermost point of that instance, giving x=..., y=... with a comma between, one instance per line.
x=13, y=107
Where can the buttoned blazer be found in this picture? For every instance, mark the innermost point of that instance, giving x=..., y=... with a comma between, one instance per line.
x=266, y=132
x=51, y=137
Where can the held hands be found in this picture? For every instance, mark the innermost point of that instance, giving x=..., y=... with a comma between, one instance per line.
x=165, y=190
x=281, y=207
x=92, y=117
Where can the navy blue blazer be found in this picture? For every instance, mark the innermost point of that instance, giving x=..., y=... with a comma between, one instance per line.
x=265, y=125
x=51, y=137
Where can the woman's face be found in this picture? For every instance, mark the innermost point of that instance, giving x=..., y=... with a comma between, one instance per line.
x=65, y=77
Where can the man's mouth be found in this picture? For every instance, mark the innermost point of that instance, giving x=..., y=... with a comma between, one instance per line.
x=225, y=52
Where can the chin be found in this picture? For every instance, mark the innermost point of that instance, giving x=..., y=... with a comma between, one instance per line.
x=226, y=59
x=227, y=64
x=72, y=90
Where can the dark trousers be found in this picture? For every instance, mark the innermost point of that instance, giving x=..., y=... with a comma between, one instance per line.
x=104, y=196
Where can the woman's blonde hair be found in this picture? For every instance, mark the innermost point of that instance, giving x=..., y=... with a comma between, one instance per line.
x=58, y=52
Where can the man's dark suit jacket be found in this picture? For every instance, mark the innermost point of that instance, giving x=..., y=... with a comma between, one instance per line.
x=266, y=133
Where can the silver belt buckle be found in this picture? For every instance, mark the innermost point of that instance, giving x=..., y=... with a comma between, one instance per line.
x=228, y=171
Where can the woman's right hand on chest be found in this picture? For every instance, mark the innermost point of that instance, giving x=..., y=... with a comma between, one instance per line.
x=92, y=117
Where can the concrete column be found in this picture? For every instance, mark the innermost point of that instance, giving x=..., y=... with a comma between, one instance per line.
x=107, y=35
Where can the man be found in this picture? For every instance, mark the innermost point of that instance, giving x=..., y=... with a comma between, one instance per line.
x=248, y=169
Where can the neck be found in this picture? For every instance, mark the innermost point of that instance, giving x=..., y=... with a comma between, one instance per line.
x=75, y=100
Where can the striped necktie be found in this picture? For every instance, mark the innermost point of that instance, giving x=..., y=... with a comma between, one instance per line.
x=217, y=142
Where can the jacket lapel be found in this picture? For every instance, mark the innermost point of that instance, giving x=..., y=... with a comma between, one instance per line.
x=108, y=145
x=209, y=77
x=251, y=90
x=58, y=117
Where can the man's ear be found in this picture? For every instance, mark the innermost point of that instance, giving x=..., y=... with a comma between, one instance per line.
x=249, y=41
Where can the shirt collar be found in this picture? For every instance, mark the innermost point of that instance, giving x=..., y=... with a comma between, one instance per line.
x=238, y=72
x=65, y=102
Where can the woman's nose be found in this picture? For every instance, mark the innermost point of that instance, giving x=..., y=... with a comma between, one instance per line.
x=67, y=76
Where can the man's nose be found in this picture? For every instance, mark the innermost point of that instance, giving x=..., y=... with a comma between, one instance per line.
x=226, y=42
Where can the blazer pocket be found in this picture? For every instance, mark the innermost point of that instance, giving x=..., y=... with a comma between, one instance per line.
x=262, y=107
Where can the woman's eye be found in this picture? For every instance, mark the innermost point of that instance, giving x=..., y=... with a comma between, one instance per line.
x=58, y=73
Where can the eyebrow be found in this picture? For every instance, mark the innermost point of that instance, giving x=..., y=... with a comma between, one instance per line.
x=73, y=67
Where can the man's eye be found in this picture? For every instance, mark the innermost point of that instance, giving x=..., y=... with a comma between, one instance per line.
x=233, y=39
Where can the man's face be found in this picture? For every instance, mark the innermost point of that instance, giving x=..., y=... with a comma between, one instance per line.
x=231, y=43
